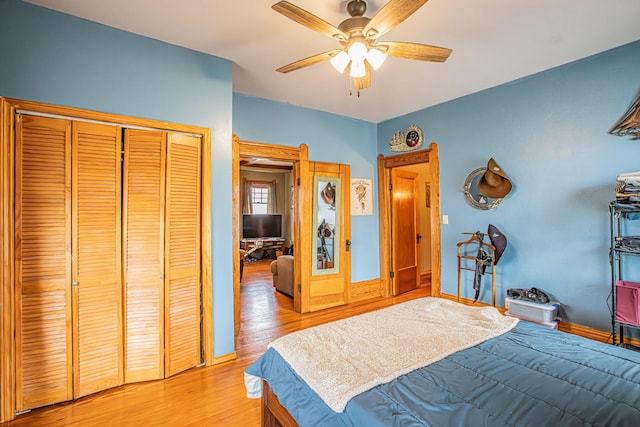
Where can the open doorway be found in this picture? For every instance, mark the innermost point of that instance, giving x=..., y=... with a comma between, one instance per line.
x=423, y=167
x=266, y=224
x=263, y=164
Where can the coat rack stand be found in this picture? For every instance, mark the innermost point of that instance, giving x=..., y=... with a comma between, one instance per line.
x=463, y=253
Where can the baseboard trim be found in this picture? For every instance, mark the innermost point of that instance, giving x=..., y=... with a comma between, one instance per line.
x=425, y=278
x=363, y=290
x=225, y=358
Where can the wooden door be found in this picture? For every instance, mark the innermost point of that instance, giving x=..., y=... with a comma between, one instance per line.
x=330, y=267
x=404, y=231
x=43, y=262
x=143, y=254
x=97, y=302
x=182, y=254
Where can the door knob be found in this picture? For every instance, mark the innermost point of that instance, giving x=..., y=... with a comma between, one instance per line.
x=348, y=243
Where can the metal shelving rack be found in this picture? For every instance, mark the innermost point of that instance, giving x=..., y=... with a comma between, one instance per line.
x=618, y=213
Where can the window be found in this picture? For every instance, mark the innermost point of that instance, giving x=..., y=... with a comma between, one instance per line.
x=259, y=199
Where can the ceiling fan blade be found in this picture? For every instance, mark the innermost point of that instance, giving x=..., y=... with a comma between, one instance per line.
x=391, y=15
x=360, y=83
x=416, y=51
x=307, y=61
x=309, y=20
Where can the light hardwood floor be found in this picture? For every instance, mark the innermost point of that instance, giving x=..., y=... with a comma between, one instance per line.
x=211, y=396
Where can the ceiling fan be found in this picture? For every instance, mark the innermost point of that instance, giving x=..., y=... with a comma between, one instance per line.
x=358, y=36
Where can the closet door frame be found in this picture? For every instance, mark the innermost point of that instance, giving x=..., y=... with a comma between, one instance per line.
x=8, y=108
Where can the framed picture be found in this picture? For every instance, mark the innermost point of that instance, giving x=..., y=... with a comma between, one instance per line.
x=361, y=197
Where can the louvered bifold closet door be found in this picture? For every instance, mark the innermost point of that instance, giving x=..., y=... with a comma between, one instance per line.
x=143, y=254
x=97, y=259
x=182, y=254
x=43, y=262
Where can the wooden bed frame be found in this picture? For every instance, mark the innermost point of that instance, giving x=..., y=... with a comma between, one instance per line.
x=273, y=413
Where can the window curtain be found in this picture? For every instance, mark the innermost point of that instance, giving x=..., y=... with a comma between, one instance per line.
x=247, y=208
x=271, y=200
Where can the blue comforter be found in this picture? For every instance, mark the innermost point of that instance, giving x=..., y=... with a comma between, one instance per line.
x=529, y=376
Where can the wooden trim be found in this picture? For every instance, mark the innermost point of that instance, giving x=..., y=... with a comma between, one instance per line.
x=585, y=331
x=425, y=278
x=236, y=193
x=345, y=175
x=384, y=221
x=296, y=155
x=7, y=272
x=268, y=151
x=248, y=166
x=434, y=168
x=385, y=164
x=117, y=119
x=206, y=258
x=410, y=158
x=364, y=290
x=224, y=358
x=302, y=209
x=7, y=167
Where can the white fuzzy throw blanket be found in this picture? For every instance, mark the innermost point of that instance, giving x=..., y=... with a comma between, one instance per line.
x=342, y=359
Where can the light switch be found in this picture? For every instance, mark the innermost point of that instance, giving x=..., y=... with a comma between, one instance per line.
x=445, y=219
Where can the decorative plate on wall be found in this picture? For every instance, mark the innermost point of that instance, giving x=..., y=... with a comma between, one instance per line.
x=406, y=141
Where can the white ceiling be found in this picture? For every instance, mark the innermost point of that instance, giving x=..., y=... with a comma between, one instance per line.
x=493, y=42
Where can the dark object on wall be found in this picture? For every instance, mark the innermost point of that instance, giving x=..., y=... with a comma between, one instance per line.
x=498, y=240
x=629, y=123
x=494, y=183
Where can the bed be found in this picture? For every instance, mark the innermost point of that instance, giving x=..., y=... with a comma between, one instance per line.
x=452, y=365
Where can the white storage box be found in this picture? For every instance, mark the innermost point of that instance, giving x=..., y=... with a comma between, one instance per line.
x=551, y=325
x=536, y=312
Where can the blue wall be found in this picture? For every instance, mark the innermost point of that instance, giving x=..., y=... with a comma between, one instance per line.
x=54, y=58
x=549, y=133
x=330, y=138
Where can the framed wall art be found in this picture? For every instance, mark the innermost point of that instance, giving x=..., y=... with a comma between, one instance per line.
x=361, y=198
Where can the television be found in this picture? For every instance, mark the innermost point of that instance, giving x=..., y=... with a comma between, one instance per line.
x=256, y=226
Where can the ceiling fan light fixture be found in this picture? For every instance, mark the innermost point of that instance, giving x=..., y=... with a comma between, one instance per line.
x=358, y=69
x=358, y=51
x=375, y=58
x=340, y=61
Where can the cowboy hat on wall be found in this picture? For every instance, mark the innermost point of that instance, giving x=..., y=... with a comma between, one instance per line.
x=486, y=187
x=494, y=182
